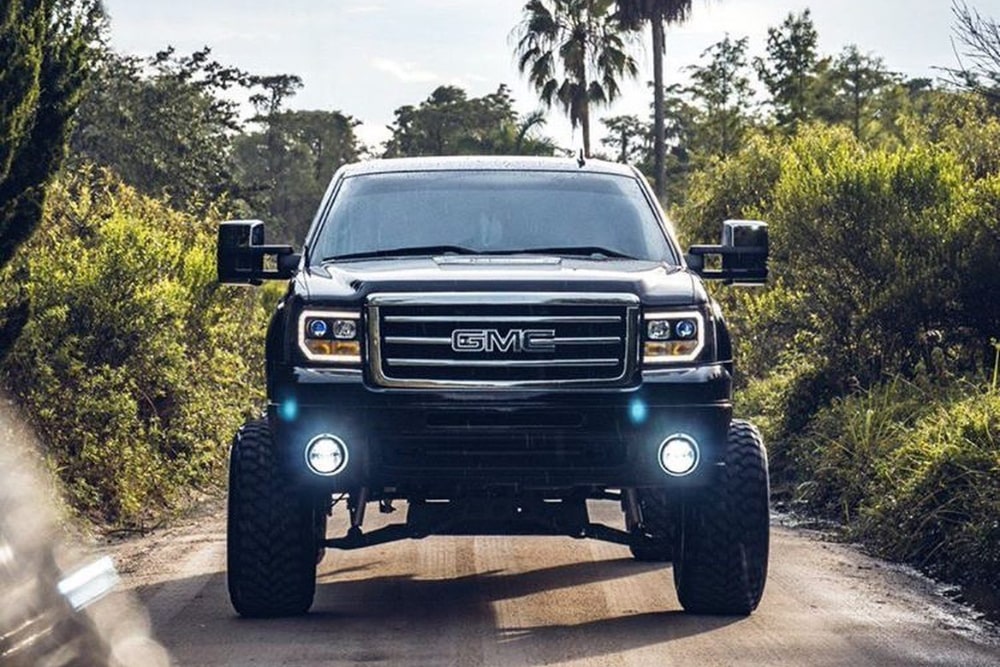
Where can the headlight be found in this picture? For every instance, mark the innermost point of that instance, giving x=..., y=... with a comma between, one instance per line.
x=673, y=337
x=330, y=336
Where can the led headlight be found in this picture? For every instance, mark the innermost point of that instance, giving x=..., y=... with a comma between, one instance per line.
x=317, y=328
x=330, y=337
x=345, y=329
x=673, y=337
x=658, y=329
x=686, y=329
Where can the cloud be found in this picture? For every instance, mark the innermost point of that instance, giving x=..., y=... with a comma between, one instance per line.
x=364, y=8
x=407, y=72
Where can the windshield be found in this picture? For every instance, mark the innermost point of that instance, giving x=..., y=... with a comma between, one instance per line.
x=491, y=212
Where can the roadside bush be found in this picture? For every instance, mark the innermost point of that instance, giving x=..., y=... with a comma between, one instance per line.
x=135, y=366
x=938, y=502
x=883, y=266
x=846, y=449
x=913, y=471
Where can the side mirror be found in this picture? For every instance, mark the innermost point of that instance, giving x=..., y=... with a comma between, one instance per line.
x=241, y=255
x=744, y=251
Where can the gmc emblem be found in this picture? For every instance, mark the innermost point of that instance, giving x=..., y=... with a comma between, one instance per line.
x=491, y=340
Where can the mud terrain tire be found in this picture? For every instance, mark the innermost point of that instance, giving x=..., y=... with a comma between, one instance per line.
x=721, y=561
x=272, y=539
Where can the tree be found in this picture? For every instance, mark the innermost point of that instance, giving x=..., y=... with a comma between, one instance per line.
x=723, y=94
x=627, y=135
x=165, y=124
x=449, y=122
x=633, y=14
x=282, y=170
x=45, y=47
x=854, y=84
x=790, y=69
x=574, y=53
x=980, y=38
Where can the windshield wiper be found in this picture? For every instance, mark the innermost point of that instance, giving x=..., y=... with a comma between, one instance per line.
x=415, y=251
x=582, y=251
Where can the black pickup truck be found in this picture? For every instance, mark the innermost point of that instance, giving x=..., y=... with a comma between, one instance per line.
x=494, y=342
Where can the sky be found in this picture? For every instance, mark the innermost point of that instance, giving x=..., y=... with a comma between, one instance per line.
x=368, y=57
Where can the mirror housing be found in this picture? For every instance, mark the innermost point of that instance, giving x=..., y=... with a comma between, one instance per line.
x=241, y=254
x=744, y=251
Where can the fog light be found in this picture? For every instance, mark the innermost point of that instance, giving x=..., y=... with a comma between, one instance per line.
x=679, y=455
x=326, y=454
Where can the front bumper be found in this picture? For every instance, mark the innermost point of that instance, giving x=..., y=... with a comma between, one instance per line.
x=437, y=444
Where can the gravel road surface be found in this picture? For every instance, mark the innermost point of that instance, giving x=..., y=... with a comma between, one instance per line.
x=546, y=600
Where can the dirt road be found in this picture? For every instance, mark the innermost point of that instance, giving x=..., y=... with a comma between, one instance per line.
x=536, y=601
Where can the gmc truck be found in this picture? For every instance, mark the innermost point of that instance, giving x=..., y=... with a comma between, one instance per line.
x=494, y=342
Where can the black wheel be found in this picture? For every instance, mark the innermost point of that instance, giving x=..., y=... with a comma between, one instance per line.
x=721, y=563
x=272, y=531
x=653, y=541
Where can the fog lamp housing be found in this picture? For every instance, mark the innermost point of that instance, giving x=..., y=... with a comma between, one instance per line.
x=326, y=455
x=679, y=455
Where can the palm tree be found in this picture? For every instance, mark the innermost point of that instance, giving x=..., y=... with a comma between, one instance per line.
x=658, y=13
x=573, y=52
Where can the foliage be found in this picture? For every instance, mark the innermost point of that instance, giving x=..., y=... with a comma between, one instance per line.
x=135, y=365
x=45, y=46
x=574, y=54
x=790, y=69
x=868, y=360
x=633, y=15
x=164, y=123
x=852, y=92
x=284, y=169
x=449, y=122
x=914, y=467
x=871, y=235
x=627, y=136
x=739, y=187
x=722, y=92
x=979, y=37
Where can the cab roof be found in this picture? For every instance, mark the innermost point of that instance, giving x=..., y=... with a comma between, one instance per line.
x=485, y=163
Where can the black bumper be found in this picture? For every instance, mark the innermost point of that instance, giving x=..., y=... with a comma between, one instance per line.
x=439, y=443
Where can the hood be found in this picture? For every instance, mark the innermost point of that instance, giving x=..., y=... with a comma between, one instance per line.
x=342, y=283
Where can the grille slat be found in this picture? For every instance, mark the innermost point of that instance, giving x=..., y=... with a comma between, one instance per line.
x=501, y=340
x=533, y=319
x=518, y=363
x=408, y=340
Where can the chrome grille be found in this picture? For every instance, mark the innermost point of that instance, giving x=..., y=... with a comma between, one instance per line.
x=501, y=339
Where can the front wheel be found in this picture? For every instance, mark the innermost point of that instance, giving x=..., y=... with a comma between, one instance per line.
x=273, y=533
x=721, y=564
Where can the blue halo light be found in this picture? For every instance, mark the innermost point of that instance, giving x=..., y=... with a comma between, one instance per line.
x=288, y=409
x=317, y=328
x=686, y=329
x=637, y=411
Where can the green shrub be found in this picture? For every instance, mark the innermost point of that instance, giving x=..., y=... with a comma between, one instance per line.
x=937, y=503
x=135, y=365
x=845, y=450
x=883, y=265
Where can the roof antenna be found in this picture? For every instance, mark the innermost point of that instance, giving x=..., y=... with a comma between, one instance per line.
x=580, y=160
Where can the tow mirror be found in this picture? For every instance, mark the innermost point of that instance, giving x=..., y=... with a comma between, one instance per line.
x=743, y=252
x=243, y=259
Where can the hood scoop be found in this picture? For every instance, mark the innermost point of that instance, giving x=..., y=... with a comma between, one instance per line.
x=466, y=260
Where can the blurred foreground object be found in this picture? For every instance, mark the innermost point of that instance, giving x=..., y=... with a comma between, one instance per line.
x=56, y=606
